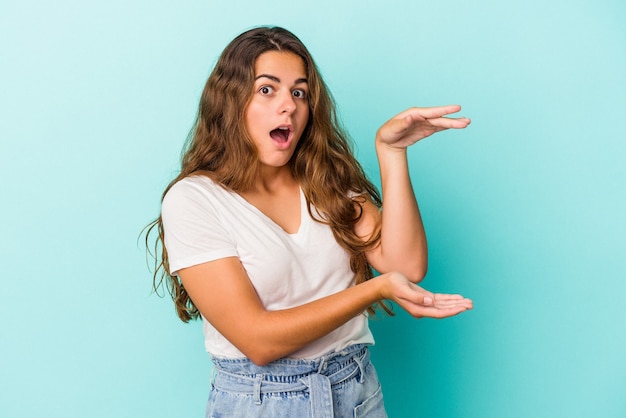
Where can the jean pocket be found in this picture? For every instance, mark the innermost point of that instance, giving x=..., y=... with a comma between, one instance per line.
x=372, y=407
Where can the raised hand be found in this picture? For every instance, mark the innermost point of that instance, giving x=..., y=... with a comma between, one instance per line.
x=408, y=127
x=421, y=303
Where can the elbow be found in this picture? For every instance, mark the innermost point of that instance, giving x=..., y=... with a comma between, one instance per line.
x=260, y=358
x=261, y=354
x=262, y=342
x=414, y=271
x=412, y=263
x=416, y=277
x=259, y=361
x=417, y=272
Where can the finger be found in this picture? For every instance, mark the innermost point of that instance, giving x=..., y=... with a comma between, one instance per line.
x=450, y=123
x=420, y=311
x=417, y=296
x=431, y=112
x=427, y=298
x=452, y=300
x=464, y=303
x=437, y=313
x=448, y=313
x=422, y=299
x=448, y=296
x=446, y=302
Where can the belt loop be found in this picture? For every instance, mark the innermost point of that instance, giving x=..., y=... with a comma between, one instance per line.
x=257, y=389
x=322, y=367
x=359, y=361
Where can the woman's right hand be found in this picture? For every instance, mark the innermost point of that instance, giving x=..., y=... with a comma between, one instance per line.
x=419, y=302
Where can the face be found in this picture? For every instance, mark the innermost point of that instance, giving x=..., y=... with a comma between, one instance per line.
x=279, y=109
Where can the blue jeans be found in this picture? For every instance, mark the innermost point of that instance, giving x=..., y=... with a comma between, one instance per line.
x=342, y=384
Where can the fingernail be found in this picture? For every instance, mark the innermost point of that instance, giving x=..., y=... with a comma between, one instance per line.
x=428, y=300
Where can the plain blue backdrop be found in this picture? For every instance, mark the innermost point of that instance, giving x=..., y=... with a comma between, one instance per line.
x=524, y=210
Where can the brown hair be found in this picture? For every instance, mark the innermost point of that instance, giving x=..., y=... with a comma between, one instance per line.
x=218, y=146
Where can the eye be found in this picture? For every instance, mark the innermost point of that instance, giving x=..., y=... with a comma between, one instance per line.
x=266, y=90
x=299, y=93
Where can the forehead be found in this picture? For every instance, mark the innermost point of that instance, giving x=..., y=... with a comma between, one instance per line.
x=276, y=63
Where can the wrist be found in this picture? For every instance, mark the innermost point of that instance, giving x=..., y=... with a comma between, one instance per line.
x=384, y=148
x=382, y=287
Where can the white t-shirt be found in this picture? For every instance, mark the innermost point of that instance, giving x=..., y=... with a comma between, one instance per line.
x=205, y=222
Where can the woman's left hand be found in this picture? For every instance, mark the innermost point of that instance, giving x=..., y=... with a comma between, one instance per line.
x=408, y=127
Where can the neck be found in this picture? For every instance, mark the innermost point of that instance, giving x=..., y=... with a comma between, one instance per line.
x=273, y=180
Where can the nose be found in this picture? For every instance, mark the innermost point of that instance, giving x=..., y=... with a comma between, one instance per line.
x=287, y=104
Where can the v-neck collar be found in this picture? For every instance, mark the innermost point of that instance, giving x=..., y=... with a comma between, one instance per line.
x=304, y=215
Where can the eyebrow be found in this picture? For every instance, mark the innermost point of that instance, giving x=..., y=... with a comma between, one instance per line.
x=277, y=80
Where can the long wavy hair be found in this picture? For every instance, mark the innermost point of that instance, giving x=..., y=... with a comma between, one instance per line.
x=219, y=146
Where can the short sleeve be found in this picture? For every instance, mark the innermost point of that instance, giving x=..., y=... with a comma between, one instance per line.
x=193, y=233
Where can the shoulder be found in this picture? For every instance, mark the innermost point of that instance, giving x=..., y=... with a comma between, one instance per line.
x=193, y=194
x=192, y=188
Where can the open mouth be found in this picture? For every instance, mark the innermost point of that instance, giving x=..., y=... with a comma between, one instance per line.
x=281, y=134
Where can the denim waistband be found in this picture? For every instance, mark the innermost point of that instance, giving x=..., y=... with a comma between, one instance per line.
x=293, y=375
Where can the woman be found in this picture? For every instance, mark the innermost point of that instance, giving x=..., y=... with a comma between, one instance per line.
x=271, y=230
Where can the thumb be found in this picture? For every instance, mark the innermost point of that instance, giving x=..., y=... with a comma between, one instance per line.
x=397, y=125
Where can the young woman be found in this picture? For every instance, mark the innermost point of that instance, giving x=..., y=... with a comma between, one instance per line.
x=271, y=230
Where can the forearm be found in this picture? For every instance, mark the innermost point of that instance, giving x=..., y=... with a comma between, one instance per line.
x=223, y=293
x=403, y=240
x=276, y=334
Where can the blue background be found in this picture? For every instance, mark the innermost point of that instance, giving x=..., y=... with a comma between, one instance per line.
x=524, y=209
